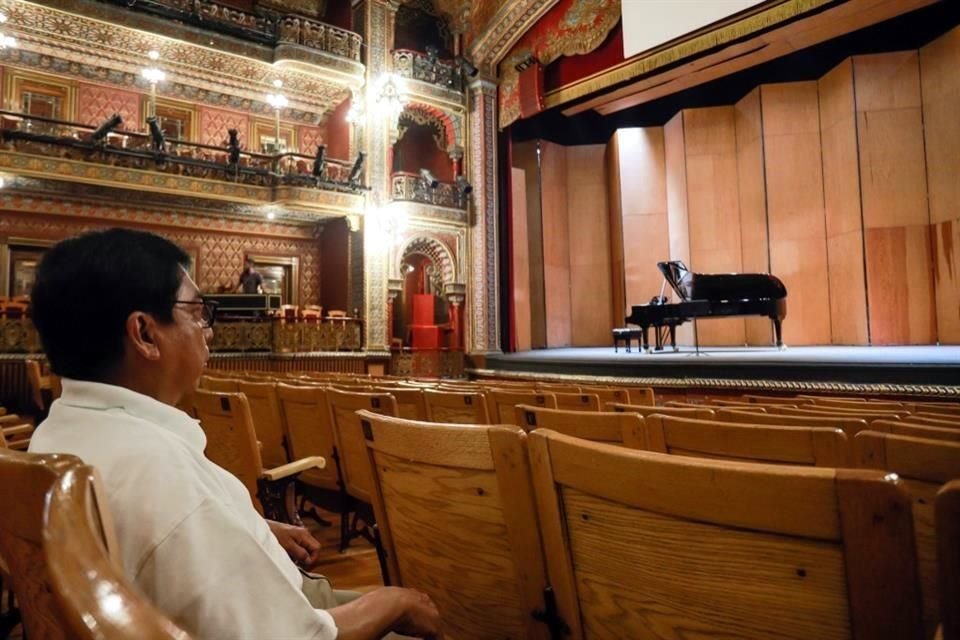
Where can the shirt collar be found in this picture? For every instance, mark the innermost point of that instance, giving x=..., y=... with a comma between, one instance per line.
x=103, y=397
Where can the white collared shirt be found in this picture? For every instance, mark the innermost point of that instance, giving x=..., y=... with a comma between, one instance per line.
x=188, y=533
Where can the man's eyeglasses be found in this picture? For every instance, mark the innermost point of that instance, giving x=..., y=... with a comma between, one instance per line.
x=208, y=311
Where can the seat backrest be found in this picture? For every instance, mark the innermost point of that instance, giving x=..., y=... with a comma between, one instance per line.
x=268, y=421
x=466, y=407
x=951, y=409
x=310, y=433
x=935, y=419
x=224, y=385
x=948, y=557
x=457, y=518
x=850, y=426
x=351, y=445
x=599, y=426
x=57, y=540
x=743, y=404
x=577, y=401
x=858, y=405
x=644, y=410
x=813, y=446
x=636, y=540
x=38, y=383
x=231, y=440
x=909, y=428
x=609, y=394
x=924, y=465
x=641, y=395
x=557, y=387
x=837, y=412
x=410, y=402
x=791, y=402
x=500, y=403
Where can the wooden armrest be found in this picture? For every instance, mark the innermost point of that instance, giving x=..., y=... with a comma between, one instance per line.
x=3, y=411
x=11, y=418
x=19, y=445
x=17, y=430
x=291, y=468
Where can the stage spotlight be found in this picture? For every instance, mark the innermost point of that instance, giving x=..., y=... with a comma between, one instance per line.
x=429, y=178
x=464, y=187
x=357, y=169
x=101, y=132
x=320, y=161
x=466, y=67
x=156, y=135
x=233, y=148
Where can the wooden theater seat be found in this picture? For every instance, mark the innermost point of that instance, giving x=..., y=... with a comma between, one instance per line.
x=908, y=428
x=268, y=423
x=577, y=401
x=836, y=412
x=850, y=426
x=642, y=545
x=699, y=411
x=410, y=401
x=811, y=446
x=58, y=542
x=925, y=466
x=223, y=385
x=456, y=407
x=16, y=435
x=948, y=558
x=232, y=444
x=599, y=426
x=500, y=403
x=458, y=521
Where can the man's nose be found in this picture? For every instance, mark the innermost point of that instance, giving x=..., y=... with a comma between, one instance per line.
x=207, y=334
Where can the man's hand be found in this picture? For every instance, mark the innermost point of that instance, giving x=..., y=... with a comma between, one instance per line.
x=405, y=611
x=299, y=543
x=421, y=617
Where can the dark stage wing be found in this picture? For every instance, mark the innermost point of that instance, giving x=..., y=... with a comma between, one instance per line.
x=711, y=296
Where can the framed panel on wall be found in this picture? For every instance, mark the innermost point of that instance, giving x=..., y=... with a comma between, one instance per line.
x=178, y=120
x=281, y=275
x=20, y=258
x=40, y=95
x=264, y=137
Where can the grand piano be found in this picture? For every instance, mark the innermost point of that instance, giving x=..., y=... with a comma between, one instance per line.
x=710, y=296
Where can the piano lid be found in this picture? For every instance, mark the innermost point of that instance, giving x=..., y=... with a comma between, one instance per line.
x=727, y=286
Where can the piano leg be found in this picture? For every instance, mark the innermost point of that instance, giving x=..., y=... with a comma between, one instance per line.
x=673, y=336
x=645, y=344
x=778, y=332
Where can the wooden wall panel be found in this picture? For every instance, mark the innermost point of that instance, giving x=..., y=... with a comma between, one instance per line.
x=643, y=188
x=794, y=182
x=556, y=244
x=525, y=158
x=677, y=219
x=752, y=188
x=521, y=259
x=713, y=207
x=940, y=89
x=844, y=222
x=589, y=247
x=618, y=294
x=894, y=193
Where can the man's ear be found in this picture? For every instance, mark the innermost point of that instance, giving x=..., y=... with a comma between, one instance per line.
x=141, y=333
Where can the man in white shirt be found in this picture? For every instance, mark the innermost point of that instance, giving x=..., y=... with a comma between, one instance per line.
x=125, y=326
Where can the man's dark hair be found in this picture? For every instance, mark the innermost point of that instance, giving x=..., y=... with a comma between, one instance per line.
x=86, y=288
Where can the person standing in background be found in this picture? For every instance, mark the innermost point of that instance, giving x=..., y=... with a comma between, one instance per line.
x=250, y=279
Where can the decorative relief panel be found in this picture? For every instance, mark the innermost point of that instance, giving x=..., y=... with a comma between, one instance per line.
x=96, y=104
x=309, y=138
x=215, y=123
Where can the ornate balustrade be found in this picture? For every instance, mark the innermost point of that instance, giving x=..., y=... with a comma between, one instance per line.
x=133, y=150
x=419, y=66
x=263, y=26
x=18, y=335
x=334, y=334
x=408, y=187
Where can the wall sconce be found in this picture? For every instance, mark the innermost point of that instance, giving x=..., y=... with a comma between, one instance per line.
x=390, y=100
x=277, y=101
x=6, y=42
x=153, y=75
x=430, y=180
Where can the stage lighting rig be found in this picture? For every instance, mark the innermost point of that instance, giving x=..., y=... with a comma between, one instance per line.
x=354, y=179
x=429, y=178
x=320, y=162
x=463, y=186
x=157, y=139
x=100, y=133
x=233, y=148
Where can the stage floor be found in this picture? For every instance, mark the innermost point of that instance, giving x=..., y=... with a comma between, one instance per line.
x=907, y=365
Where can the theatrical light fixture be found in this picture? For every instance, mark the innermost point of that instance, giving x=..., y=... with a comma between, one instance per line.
x=466, y=67
x=429, y=178
x=463, y=186
x=357, y=169
x=233, y=148
x=320, y=161
x=157, y=139
x=100, y=133
x=277, y=101
x=390, y=100
x=153, y=76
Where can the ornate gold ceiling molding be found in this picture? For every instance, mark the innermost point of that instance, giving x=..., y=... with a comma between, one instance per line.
x=312, y=80
x=509, y=24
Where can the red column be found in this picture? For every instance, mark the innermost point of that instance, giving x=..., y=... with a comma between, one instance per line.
x=455, y=325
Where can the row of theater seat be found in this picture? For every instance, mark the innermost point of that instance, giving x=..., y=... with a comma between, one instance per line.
x=803, y=431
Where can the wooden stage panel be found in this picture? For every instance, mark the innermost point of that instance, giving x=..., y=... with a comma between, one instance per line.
x=556, y=245
x=941, y=94
x=794, y=183
x=755, y=252
x=677, y=219
x=521, y=259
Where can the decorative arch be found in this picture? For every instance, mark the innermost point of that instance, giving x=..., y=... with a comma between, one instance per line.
x=429, y=112
x=438, y=253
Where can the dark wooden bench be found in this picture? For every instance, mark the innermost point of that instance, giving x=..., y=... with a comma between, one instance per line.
x=625, y=335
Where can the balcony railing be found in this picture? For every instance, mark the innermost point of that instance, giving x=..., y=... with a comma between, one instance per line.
x=266, y=27
x=133, y=150
x=420, y=66
x=410, y=187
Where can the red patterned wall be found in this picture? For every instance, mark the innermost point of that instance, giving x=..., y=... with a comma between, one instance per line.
x=219, y=255
x=309, y=138
x=96, y=103
x=215, y=123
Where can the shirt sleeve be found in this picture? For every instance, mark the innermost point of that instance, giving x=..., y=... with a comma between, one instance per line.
x=212, y=578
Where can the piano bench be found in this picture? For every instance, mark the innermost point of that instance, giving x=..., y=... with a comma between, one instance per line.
x=625, y=335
